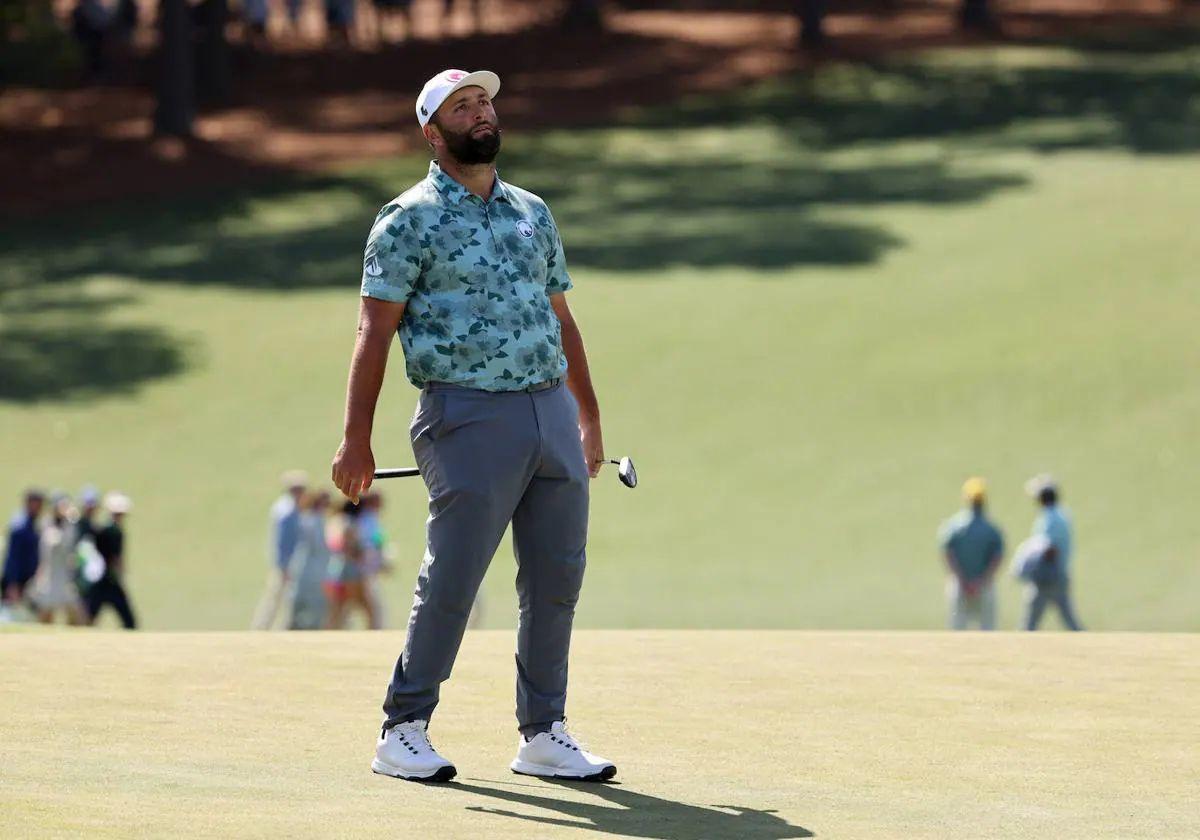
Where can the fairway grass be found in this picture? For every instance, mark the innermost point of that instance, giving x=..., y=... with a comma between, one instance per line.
x=746, y=735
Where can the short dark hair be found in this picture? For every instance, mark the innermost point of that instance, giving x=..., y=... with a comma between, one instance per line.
x=1048, y=496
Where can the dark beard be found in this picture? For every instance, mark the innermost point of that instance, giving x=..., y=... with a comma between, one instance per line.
x=467, y=149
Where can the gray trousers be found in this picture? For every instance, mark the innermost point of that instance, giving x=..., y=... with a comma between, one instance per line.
x=1037, y=596
x=489, y=459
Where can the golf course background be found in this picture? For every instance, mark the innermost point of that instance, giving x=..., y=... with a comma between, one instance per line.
x=812, y=309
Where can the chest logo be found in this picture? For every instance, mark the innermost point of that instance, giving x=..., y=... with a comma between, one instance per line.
x=525, y=228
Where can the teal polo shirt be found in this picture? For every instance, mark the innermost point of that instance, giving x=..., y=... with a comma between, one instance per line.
x=1055, y=525
x=973, y=540
x=476, y=277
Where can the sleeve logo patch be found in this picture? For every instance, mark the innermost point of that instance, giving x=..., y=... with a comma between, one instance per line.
x=525, y=228
x=372, y=266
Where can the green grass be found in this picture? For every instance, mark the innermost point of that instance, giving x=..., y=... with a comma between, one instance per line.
x=812, y=310
x=717, y=735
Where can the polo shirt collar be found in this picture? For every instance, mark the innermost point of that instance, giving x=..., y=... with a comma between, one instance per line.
x=455, y=192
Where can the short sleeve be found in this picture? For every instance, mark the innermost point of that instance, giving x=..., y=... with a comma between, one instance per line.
x=392, y=258
x=946, y=535
x=557, y=278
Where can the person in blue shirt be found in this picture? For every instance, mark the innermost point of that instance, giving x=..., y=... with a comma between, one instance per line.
x=24, y=541
x=1051, y=582
x=284, y=537
x=972, y=547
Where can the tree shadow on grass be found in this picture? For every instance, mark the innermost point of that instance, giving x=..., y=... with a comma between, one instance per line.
x=1137, y=92
x=774, y=177
x=635, y=814
x=83, y=361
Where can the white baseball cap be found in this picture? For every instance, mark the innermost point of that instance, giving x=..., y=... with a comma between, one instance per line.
x=118, y=503
x=438, y=88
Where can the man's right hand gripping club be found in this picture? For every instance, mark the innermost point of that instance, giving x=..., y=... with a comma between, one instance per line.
x=354, y=464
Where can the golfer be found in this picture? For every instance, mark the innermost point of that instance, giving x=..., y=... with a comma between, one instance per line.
x=469, y=270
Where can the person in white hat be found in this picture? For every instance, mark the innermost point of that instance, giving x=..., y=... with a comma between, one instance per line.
x=1049, y=581
x=109, y=589
x=285, y=536
x=469, y=270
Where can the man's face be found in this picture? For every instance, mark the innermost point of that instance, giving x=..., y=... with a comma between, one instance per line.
x=469, y=127
x=33, y=505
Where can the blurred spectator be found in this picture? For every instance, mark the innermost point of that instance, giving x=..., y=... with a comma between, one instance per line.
x=375, y=556
x=109, y=588
x=254, y=15
x=53, y=587
x=473, y=10
x=973, y=547
x=125, y=19
x=309, y=565
x=1047, y=569
x=294, y=10
x=21, y=558
x=91, y=22
x=344, y=583
x=339, y=19
x=85, y=524
x=285, y=536
x=387, y=12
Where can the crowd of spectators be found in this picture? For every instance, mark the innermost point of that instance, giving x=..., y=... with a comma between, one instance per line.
x=66, y=557
x=325, y=560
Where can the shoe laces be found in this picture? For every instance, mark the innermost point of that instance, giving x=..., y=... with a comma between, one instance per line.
x=568, y=739
x=414, y=734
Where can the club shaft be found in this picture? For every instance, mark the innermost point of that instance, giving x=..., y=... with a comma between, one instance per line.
x=398, y=472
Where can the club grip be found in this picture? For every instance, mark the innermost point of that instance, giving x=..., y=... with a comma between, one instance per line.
x=399, y=472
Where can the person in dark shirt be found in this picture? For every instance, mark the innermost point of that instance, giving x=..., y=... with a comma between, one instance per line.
x=110, y=542
x=21, y=558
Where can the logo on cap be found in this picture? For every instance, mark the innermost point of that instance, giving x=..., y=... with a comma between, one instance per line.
x=456, y=75
x=424, y=111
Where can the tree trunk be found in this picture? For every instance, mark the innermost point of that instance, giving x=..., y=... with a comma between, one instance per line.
x=214, y=79
x=976, y=14
x=812, y=22
x=583, y=15
x=176, y=81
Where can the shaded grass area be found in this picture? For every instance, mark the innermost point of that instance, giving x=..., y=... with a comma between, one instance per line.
x=836, y=734
x=848, y=290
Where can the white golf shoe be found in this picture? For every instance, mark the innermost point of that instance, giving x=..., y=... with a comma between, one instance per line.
x=404, y=751
x=557, y=755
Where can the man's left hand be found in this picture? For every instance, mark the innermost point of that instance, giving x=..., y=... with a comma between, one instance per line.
x=593, y=444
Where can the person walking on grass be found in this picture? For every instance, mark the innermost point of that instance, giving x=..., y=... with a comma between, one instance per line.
x=109, y=589
x=54, y=587
x=345, y=585
x=309, y=565
x=972, y=547
x=469, y=271
x=23, y=552
x=1048, y=574
x=284, y=537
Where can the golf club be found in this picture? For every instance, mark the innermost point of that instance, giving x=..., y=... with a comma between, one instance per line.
x=625, y=471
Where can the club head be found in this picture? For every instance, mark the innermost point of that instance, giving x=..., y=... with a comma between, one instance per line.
x=627, y=473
